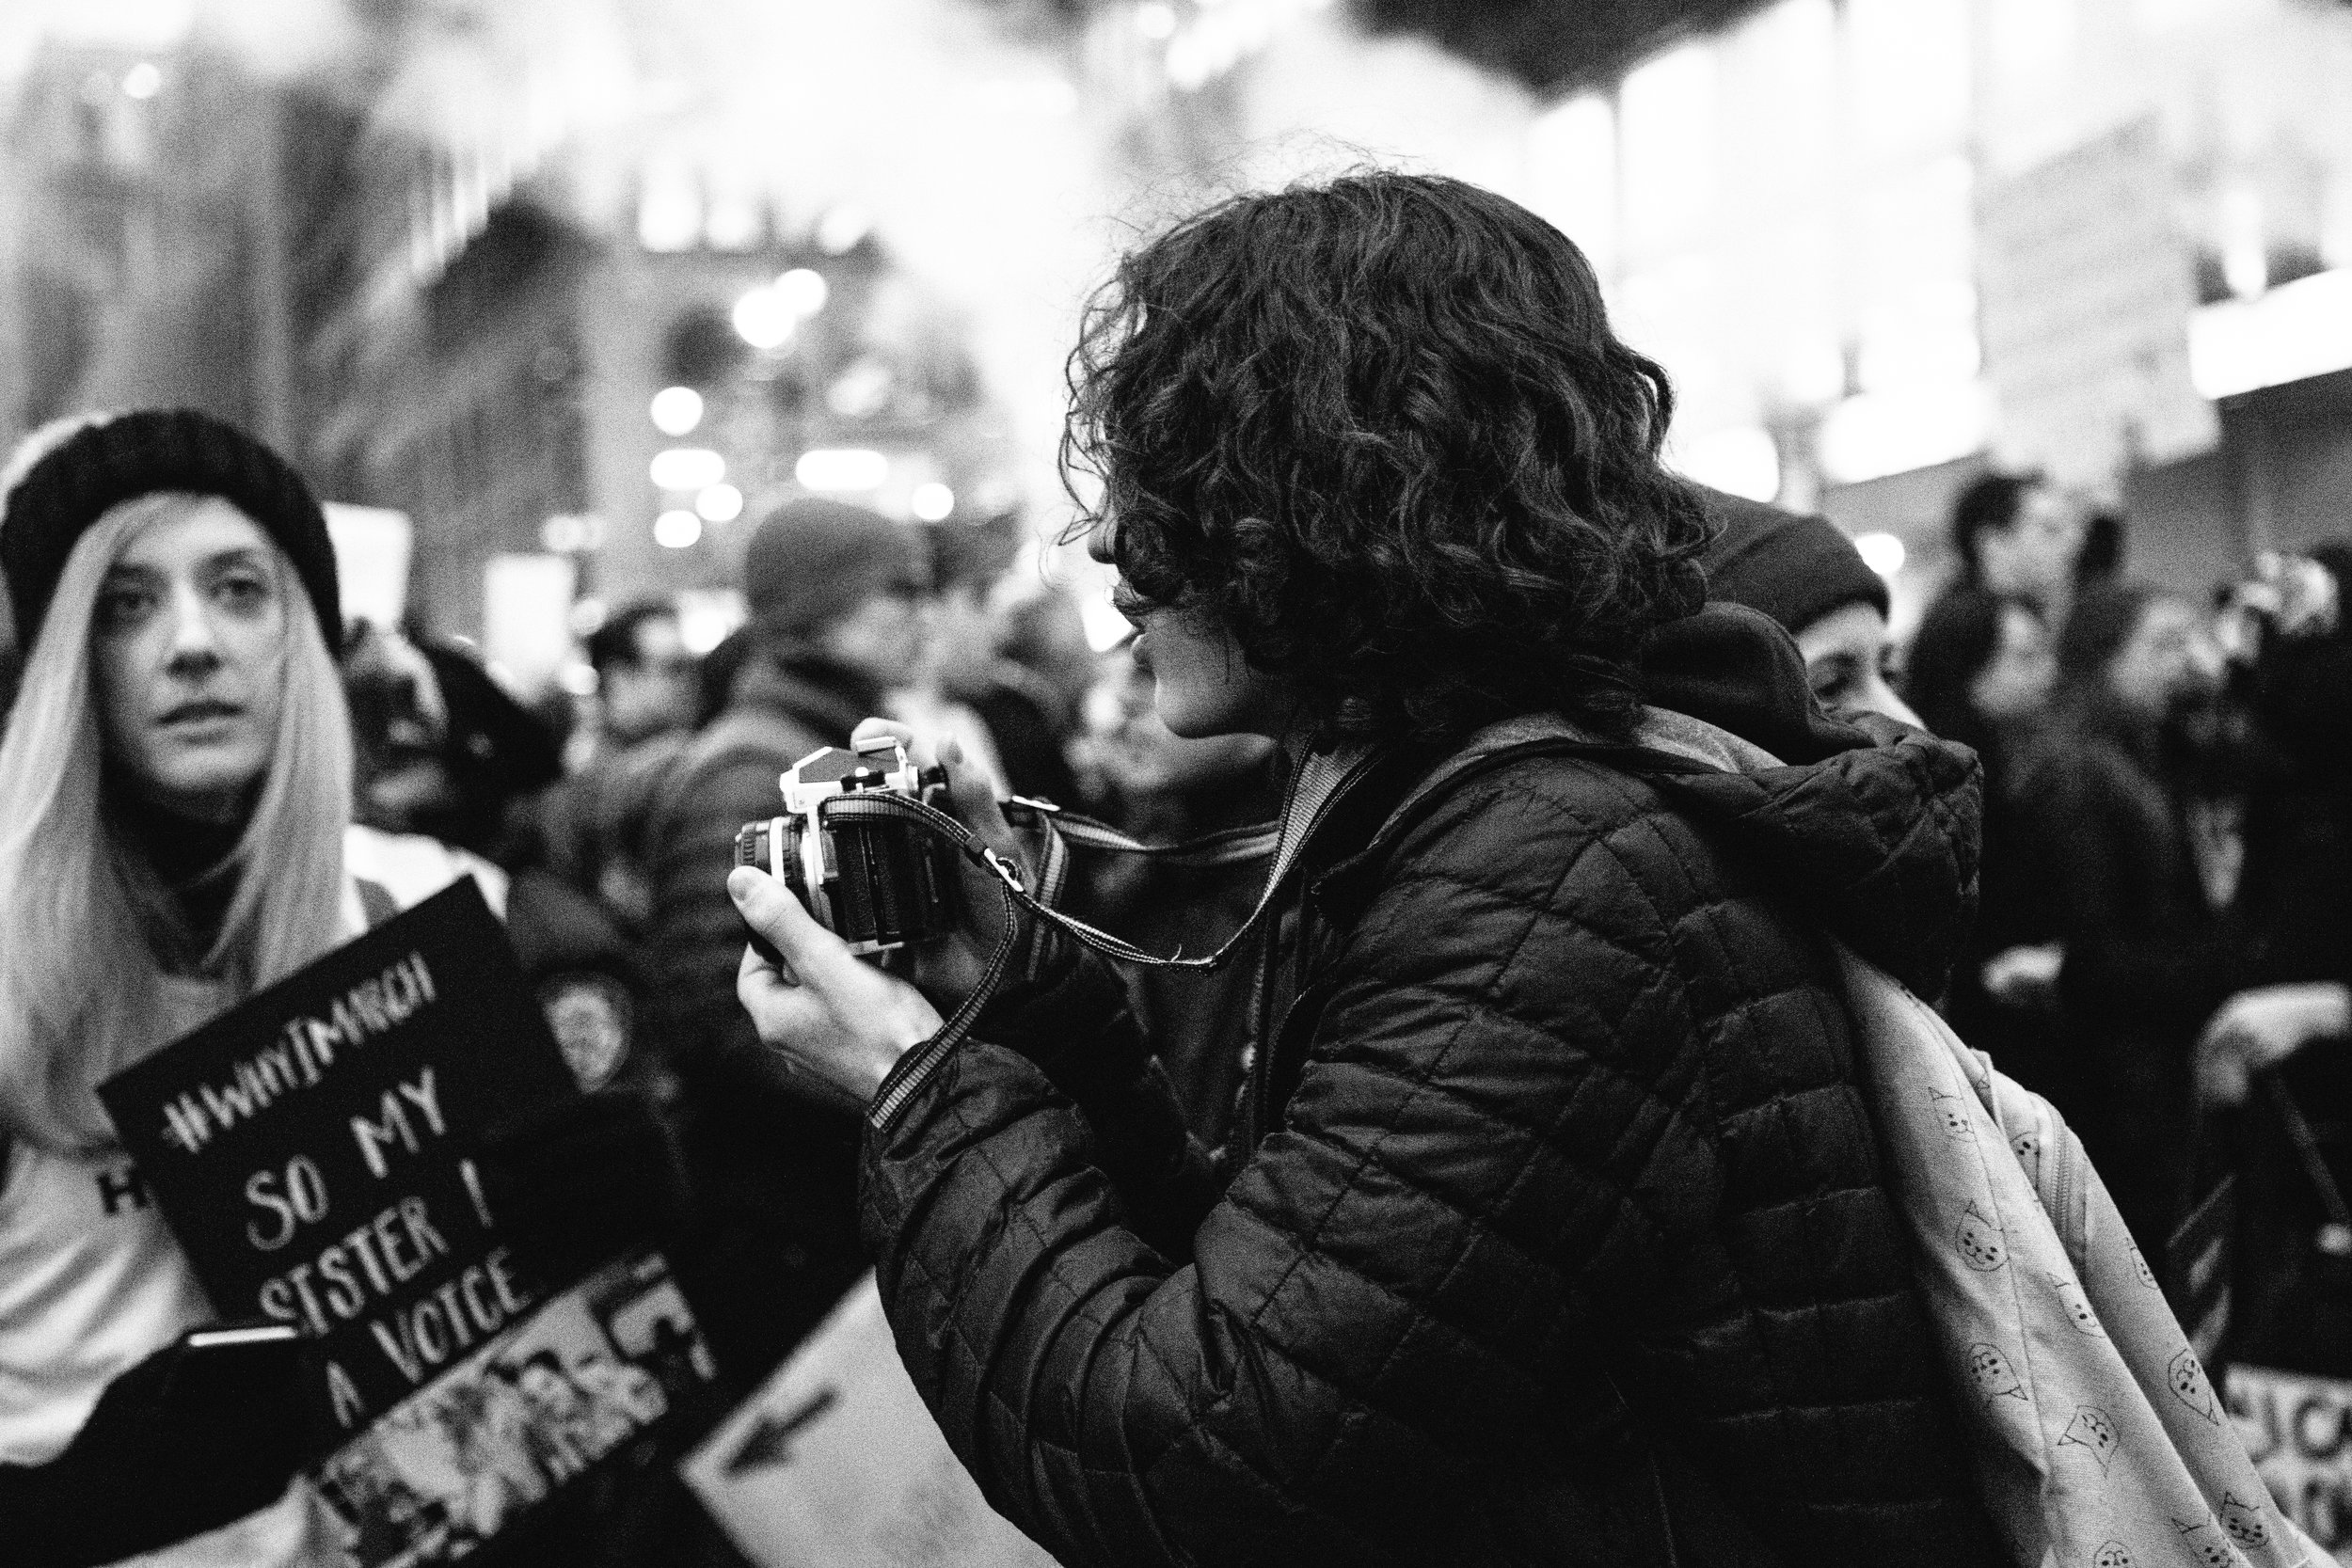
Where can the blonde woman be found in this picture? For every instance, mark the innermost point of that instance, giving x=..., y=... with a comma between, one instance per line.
x=175, y=785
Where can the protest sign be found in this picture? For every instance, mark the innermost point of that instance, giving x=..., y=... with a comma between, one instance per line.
x=836, y=1461
x=2299, y=1429
x=314, y=1150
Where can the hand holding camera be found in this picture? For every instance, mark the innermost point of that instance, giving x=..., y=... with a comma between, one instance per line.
x=883, y=888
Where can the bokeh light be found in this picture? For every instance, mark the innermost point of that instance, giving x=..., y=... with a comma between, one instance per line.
x=802, y=292
x=687, y=469
x=842, y=468
x=719, y=503
x=1882, y=552
x=677, y=410
x=931, y=502
x=762, y=319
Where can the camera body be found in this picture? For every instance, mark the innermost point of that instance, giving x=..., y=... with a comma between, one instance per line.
x=877, y=885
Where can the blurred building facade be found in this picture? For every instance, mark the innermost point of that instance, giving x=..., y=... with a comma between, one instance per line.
x=1883, y=242
x=432, y=327
x=583, y=304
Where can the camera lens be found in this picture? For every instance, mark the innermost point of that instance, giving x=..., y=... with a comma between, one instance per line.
x=751, y=846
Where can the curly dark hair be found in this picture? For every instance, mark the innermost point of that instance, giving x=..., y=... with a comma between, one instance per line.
x=1378, y=429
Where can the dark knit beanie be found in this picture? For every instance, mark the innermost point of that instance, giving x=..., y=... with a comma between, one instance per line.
x=814, y=561
x=1794, y=568
x=121, y=458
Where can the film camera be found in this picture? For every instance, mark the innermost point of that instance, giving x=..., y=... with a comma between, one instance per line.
x=877, y=884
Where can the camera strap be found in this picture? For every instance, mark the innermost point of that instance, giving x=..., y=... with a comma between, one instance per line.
x=1059, y=831
x=1320, y=783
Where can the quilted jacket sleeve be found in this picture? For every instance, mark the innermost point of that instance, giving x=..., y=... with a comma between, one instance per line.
x=1569, y=1113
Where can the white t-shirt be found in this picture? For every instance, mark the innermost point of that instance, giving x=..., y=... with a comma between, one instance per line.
x=91, y=1282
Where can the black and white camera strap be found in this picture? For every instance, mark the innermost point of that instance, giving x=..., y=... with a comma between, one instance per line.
x=1319, y=784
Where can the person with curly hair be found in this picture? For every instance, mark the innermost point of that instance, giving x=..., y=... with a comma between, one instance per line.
x=1554, y=1232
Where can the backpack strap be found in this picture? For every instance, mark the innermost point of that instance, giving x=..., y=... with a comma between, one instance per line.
x=1540, y=736
x=1325, y=778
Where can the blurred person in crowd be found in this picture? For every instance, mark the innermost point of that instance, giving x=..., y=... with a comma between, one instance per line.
x=1162, y=788
x=1553, y=1125
x=2273, y=1075
x=958, y=647
x=590, y=828
x=443, y=750
x=451, y=769
x=1981, y=672
x=1805, y=574
x=2022, y=537
x=1027, y=722
x=1046, y=633
x=176, y=785
x=647, y=684
x=715, y=675
x=2140, y=868
x=837, y=618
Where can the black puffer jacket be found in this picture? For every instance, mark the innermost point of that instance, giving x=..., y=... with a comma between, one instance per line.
x=1560, y=1122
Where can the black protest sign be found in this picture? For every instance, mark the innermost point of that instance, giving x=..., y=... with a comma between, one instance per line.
x=314, y=1148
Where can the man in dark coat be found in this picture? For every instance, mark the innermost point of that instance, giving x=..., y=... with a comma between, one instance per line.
x=833, y=592
x=1557, y=1233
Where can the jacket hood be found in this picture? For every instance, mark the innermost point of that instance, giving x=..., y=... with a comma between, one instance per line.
x=1872, y=826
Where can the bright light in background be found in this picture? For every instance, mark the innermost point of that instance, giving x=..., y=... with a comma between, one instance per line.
x=677, y=410
x=1105, y=626
x=719, y=504
x=669, y=213
x=2244, y=261
x=1572, y=156
x=676, y=531
x=142, y=80
x=1879, y=434
x=2298, y=329
x=579, y=677
x=1813, y=374
x=1156, y=20
x=931, y=502
x=1741, y=460
x=762, y=319
x=734, y=222
x=687, y=469
x=802, y=292
x=1671, y=144
x=705, y=616
x=1025, y=97
x=1882, y=552
x=842, y=468
x=840, y=229
x=1908, y=93
x=587, y=615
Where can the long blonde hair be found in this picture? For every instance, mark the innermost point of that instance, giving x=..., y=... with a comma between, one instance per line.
x=79, y=975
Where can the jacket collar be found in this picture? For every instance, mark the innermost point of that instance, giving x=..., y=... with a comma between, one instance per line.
x=824, y=696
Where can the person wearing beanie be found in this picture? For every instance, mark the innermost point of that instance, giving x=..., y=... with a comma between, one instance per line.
x=1803, y=572
x=2121, y=832
x=176, y=783
x=835, y=595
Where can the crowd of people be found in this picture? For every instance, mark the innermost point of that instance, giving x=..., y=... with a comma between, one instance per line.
x=1465, y=1214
